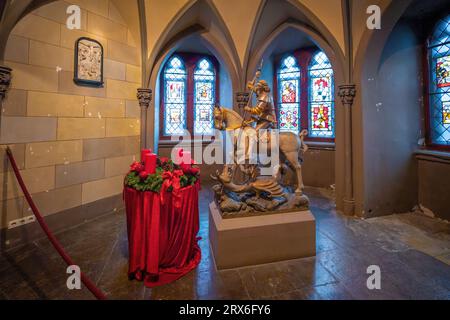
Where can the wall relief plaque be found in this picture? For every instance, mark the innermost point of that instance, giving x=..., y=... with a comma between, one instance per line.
x=88, y=62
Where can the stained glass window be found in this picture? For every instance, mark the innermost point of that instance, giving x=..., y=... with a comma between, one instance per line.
x=175, y=97
x=439, y=88
x=204, y=97
x=189, y=82
x=289, y=95
x=321, y=104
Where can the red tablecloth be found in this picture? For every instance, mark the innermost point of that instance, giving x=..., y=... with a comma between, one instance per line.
x=162, y=239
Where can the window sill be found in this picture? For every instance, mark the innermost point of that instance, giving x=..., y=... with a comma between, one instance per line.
x=169, y=143
x=433, y=156
x=315, y=145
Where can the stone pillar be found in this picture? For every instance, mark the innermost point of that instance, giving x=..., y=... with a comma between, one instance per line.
x=347, y=94
x=242, y=99
x=145, y=97
x=5, y=81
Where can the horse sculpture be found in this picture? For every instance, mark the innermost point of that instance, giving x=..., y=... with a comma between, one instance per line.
x=291, y=145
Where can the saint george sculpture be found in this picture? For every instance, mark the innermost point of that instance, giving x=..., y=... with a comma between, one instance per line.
x=241, y=189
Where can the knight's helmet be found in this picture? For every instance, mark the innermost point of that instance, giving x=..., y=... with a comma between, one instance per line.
x=262, y=85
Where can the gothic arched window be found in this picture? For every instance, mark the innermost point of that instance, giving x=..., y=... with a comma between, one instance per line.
x=305, y=94
x=438, y=110
x=189, y=95
x=321, y=97
x=175, y=105
x=289, y=95
x=205, y=93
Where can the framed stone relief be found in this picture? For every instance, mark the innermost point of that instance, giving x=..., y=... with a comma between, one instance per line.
x=88, y=69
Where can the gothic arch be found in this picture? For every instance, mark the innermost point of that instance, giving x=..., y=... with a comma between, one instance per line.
x=373, y=41
x=367, y=57
x=187, y=21
x=16, y=11
x=397, y=43
x=302, y=19
x=337, y=63
x=213, y=45
x=335, y=59
x=251, y=37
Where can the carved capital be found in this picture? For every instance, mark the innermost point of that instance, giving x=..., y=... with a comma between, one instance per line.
x=347, y=93
x=5, y=80
x=242, y=99
x=144, y=96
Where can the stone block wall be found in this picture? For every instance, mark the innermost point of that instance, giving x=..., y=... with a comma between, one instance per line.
x=73, y=144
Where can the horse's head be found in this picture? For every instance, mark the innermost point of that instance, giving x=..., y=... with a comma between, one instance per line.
x=219, y=118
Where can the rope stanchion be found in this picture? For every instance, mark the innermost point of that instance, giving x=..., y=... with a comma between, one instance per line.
x=86, y=281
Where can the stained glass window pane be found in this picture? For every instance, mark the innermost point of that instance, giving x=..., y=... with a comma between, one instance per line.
x=175, y=97
x=439, y=52
x=289, y=95
x=204, y=97
x=321, y=99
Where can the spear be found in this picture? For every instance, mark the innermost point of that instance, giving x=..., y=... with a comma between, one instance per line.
x=256, y=77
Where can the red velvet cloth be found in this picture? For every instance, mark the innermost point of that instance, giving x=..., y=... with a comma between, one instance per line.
x=162, y=238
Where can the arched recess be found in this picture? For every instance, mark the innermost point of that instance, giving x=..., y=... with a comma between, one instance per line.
x=206, y=43
x=268, y=46
x=195, y=16
x=388, y=109
x=13, y=11
x=212, y=36
x=368, y=55
x=272, y=15
x=295, y=29
x=275, y=18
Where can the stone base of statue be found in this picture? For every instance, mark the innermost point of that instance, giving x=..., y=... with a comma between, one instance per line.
x=244, y=241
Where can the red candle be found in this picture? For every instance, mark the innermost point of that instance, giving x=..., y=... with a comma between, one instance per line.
x=150, y=162
x=144, y=152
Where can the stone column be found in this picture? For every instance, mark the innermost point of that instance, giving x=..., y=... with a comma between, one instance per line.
x=5, y=80
x=145, y=97
x=347, y=94
x=242, y=99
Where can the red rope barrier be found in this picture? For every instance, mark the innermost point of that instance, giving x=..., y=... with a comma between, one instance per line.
x=86, y=281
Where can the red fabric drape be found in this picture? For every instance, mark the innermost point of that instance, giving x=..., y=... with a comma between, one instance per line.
x=162, y=237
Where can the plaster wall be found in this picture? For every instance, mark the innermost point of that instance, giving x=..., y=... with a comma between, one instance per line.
x=392, y=112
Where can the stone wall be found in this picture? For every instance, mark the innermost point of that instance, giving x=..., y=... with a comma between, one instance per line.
x=73, y=144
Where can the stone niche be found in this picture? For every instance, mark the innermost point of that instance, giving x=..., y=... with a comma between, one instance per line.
x=244, y=241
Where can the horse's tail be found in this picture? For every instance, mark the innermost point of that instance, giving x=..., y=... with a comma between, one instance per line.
x=303, y=133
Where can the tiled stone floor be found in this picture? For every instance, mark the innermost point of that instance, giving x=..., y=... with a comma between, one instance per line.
x=412, y=251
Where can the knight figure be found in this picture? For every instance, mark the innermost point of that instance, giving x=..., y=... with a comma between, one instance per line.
x=254, y=193
x=263, y=113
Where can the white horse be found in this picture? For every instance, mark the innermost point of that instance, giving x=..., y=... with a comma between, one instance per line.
x=291, y=145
